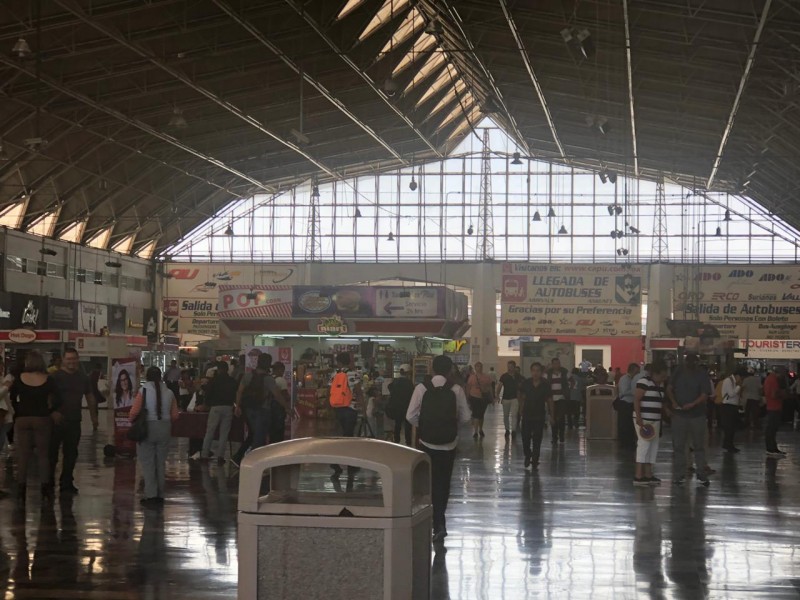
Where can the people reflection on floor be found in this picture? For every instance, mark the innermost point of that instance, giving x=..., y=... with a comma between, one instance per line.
x=647, y=559
x=689, y=559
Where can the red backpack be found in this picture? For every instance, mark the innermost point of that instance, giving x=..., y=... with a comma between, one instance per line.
x=341, y=394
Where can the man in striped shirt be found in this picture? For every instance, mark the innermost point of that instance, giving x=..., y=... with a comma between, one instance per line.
x=557, y=377
x=648, y=402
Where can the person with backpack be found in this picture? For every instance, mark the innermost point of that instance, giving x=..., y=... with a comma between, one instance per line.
x=436, y=410
x=730, y=392
x=345, y=394
x=256, y=391
x=400, y=392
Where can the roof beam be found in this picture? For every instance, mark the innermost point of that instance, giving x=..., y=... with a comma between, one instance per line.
x=629, y=65
x=299, y=9
x=737, y=100
x=136, y=49
x=534, y=80
x=253, y=31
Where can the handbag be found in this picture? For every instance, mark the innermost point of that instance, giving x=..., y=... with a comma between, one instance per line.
x=137, y=432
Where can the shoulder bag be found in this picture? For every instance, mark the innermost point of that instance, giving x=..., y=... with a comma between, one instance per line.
x=137, y=432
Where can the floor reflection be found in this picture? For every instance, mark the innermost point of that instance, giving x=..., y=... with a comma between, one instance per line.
x=574, y=529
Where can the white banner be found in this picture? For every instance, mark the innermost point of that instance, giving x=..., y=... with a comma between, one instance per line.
x=202, y=280
x=191, y=315
x=755, y=302
x=92, y=317
x=777, y=349
x=407, y=302
x=591, y=300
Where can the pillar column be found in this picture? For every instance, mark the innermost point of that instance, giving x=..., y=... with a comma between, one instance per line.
x=659, y=303
x=483, y=340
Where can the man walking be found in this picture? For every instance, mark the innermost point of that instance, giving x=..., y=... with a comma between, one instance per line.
x=71, y=385
x=775, y=393
x=436, y=409
x=172, y=378
x=626, y=434
x=535, y=397
x=688, y=392
x=400, y=392
x=509, y=396
x=557, y=378
x=220, y=396
x=729, y=409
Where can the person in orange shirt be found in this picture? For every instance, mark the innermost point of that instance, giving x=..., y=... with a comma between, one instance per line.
x=774, y=392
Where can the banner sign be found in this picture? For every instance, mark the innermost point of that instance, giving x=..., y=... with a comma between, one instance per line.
x=348, y=301
x=777, y=349
x=190, y=315
x=590, y=300
x=248, y=302
x=93, y=317
x=150, y=324
x=755, y=302
x=202, y=280
x=122, y=389
x=408, y=302
x=116, y=318
x=62, y=314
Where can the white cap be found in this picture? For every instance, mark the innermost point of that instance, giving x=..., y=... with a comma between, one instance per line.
x=405, y=368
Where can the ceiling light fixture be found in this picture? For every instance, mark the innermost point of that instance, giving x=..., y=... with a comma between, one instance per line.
x=390, y=87
x=177, y=120
x=612, y=177
x=21, y=49
x=727, y=215
x=102, y=184
x=390, y=238
x=517, y=160
x=358, y=213
x=470, y=230
x=536, y=216
x=48, y=251
x=251, y=295
x=551, y=213
x=229, y=231
x=633, y=229
x=602, y=176
x=622, y=252
x=718, y=233
x=412, y=185
x=563, y=230
x=114, y=264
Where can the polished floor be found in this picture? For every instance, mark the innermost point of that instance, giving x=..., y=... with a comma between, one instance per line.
x=575, y=529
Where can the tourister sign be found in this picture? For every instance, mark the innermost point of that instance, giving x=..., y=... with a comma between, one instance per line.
x=741, y=301
x=777, y=349
x=590, y=300
x=22, y=336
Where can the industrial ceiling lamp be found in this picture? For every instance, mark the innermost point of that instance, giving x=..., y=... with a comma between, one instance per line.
x=718, y=232
x=114, y=264
x=602, y=176
x=177, y=120
x=563, y=230
x=633, y=229
x=551, y=213
x=390, y=87
x=536, y=216
x=358, y=213
x=229, y=230
x=727, y=215
x=517, y=160
x=48, y=251
x=612, y=177
x=412, y=185
x=470, y=230
x=390, y=238
x=21, y=49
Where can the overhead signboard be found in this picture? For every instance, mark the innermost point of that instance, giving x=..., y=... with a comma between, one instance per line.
x=777, y=349
x=408, y=302
x=252, y=302
x=348, y=301
x=746, y=302
x=203, y=280
x=62, y=314
x=93, y=317
x=586, y=300
x=191, y=316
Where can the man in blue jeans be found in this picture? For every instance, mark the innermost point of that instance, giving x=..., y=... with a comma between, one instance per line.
x=253, y=398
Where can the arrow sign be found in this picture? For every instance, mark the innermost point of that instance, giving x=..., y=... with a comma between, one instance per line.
x=389, y=308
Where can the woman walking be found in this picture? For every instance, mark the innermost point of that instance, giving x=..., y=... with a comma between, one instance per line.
x=479, y=390
x=162, y=408
x=34, y=392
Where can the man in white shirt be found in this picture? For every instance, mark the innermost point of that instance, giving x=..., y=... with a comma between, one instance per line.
x=436, y=410
x=729, y=409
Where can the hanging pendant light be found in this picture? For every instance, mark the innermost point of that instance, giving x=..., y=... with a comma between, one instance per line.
x=470, y=230
x=727, y=215
x=551, y=213
x=563, y=230
x=390, y=238
x=358, y=213
x=517, y=160
x=412, y=184
x=536, y=216
x=229, y=231
x=718, y=232
x=21, y=49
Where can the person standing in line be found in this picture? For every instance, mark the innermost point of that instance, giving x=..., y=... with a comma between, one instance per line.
x=688, y=392
x=71, y=386
x=648, y=404
x=172, y=378
x=162, y=409
x=626, y=433
x=557, y=378
x=753, y=397
x=280, y=405
x=534, y=397
x=253, y=400
x=219, y=398
x=400, y=392
x=775, y=393
x=33, y=394
x=729, y=410
x=509, y=396
x=479, y=388
x=436, y=409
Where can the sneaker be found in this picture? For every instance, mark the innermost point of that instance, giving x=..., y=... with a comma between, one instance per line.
x=679, y=481
x=654, y=481
x=704, y=482
x=527, y=463
x=641, y=481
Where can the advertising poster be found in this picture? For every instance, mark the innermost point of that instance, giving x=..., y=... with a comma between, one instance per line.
x=62, y=314
x=409, y=302
x=746, y=302
x=123, y=387
x=92, y=317
x=192, y=316
x=347, y=301
x=589, y=300
x=202, y=280
x=116, y=318
x=260, y=301
x=150, y=324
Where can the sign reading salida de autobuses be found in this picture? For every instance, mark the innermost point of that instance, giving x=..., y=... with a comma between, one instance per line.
x=741, y=301
x=591, y=300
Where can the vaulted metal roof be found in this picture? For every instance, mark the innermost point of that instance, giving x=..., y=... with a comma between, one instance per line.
x=130, y=122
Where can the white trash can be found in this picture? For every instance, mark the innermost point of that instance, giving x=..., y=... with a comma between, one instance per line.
x=364, y=535
x=601, y=418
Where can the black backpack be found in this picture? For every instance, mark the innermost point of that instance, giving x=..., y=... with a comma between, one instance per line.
x=253, y=394
x=438, y=415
